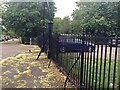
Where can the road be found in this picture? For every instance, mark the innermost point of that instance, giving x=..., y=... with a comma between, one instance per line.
x=101, y=53
x=109, y=53
x=12, y=48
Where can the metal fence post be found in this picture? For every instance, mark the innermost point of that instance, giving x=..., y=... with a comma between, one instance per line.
x=43, y=28
x=50, y=25
x=82, y=60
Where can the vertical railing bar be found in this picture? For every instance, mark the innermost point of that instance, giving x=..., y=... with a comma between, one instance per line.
x=61, y=53
x=73, y=73
x=97, y=64
x=76, y=79
x=104, y=66
x=90, y=64
x=82, y=61
x=79, y=65
x=85, y=62
x=56, y=49
x=57, y=58
x=70, y=63
x=100, y=64
x=93, y=63
x=87, y=65
x=64, y=56
x=76, y=69
x=60, y=58
x=109, y=65
x=76, y=40
x=73, y=39
x=67, y=62
x=114, y=73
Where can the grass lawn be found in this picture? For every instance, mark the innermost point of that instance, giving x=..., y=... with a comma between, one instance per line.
x=96, y=72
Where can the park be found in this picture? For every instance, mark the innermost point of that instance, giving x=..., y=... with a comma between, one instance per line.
x=80, y=51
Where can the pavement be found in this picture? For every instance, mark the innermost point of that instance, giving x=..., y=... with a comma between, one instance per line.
x=24, y=71
x=12, y=49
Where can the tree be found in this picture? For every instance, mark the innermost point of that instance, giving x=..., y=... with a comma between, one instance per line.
x=66, y=25
x=57, y=24
x=27, y=18
x=99, y=17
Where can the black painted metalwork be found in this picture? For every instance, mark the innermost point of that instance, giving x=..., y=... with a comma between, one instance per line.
x=46, y=36
x=89, y=70
x=88, y=61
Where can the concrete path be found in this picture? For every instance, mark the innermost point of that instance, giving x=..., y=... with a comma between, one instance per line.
x=12, y=48
x=24, y=71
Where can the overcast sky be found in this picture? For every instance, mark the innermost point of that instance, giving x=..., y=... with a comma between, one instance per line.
x=64, y=7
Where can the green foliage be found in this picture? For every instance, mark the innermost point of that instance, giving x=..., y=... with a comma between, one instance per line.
x=27, y=18
x=57, y=24
x=66, y=24
x=100, y=17
x=90, y=69
x=62, y=25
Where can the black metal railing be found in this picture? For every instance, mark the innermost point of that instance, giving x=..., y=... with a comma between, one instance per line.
x=88, y=61
x=96, y=67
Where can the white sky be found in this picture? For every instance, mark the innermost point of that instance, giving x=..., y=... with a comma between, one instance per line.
x=65, y=7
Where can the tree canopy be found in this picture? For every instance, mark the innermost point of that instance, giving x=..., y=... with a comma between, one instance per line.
x=27, y=18
x=66, y=24
x=57, y=24
x=96, y=17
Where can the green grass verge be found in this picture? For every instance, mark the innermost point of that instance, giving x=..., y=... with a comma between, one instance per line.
x=90, y=74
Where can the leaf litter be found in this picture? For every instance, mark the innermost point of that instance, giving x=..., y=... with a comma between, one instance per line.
x=31, y=73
